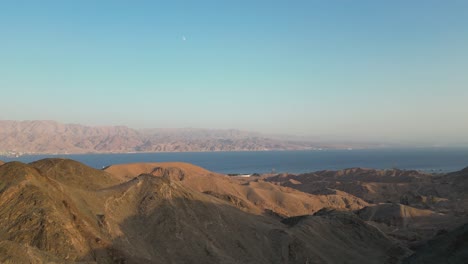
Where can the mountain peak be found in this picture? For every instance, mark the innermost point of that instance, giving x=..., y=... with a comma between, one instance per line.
x=74, y=173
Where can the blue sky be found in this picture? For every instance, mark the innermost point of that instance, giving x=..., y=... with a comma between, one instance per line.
x=355, y=70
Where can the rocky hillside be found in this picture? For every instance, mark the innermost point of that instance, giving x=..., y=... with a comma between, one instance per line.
x=448, y=247
x=409, y=206
x=18, y=137
x=61, y=211
x=255, y=196
x=408, y=187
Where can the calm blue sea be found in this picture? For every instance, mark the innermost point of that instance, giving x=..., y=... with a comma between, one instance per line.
x=424, y=159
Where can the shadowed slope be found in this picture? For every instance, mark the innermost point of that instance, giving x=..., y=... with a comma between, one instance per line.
x=396, y=214
x=451, y=247
x=35, y=211
x=408, y=224
x=14, y=253
x=158, y=220
x=341, y=237
x=457, y=183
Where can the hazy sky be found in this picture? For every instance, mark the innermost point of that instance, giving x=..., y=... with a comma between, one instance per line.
x=380, y=70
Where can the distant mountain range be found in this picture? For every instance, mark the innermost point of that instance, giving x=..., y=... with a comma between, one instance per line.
x=47, y=137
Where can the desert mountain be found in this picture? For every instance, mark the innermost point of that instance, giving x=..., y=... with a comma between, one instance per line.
x=73, y=173
x=61, y=211
x=255, y=196
x=53, y=137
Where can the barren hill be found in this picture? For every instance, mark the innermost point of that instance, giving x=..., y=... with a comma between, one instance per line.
x=73, y=173
x=53, y=137
x=253, y=196
x=64, y=212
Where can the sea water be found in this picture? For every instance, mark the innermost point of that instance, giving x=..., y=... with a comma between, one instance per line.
x=424, y=159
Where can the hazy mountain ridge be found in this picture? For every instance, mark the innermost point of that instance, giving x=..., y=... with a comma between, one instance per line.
x=40, y=137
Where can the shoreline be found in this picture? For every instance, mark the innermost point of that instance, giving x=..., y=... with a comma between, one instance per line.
x=22, y=154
